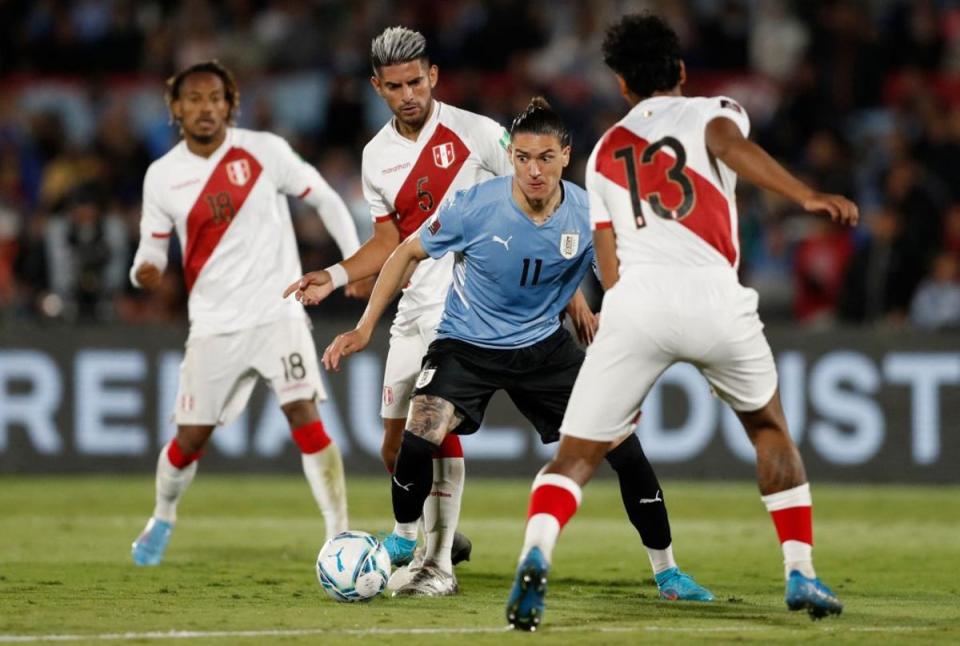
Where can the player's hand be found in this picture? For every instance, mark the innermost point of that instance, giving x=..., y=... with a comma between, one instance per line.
x=312, y=288
x=585, y=323
x=839, y=208
x=149, y=275
x=361, y=289
x=343, y=346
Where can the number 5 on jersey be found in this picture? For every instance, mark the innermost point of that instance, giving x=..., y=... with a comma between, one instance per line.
x=653, y=178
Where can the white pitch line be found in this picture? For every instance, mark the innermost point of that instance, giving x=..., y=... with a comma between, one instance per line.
x=306, y=632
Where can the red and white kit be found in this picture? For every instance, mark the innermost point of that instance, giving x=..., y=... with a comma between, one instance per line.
x=230, y=213
x=406, y=182
x=673, y=210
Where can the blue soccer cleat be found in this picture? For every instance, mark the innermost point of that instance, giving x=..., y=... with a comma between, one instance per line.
x=152, y=542
x=812, y=595
x=400, y=549
x=676, y=585
x=525, y=605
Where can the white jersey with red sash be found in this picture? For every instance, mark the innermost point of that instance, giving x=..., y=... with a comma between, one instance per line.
x=651, y=178
x=406, y=181
x=231, y=215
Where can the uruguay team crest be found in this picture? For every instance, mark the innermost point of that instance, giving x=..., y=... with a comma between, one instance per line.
x=444, y=155
x=238, y=172
x=569, y=244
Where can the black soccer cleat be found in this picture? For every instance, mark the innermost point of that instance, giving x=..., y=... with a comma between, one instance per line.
x=461, y=549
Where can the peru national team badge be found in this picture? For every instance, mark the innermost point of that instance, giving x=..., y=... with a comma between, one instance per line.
x=388, y=396
x=569, y=244
x=444, y=155
x=238, y=172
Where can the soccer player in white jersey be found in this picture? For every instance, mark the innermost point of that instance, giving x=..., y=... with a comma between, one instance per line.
x=426, y=152
x=224, y=191
x=663, y=206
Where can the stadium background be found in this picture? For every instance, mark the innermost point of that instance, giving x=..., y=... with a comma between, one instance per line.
x=861, y=98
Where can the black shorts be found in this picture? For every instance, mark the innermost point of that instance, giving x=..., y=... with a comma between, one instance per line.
x=538, y=378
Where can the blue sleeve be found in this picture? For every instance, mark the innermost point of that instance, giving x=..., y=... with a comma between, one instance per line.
x=444, y=230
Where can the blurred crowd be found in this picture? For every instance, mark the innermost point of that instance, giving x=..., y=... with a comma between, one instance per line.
x=857, y=97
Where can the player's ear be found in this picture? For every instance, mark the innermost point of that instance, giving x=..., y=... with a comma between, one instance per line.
x=433, y=74
x=683, y=74
x=624, y=90
x=565, y=155
x=375, y=82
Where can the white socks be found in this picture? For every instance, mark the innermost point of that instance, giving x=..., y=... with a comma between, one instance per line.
x=324, y=472
x=661, y=560
x=441, y=511
x=171, y=483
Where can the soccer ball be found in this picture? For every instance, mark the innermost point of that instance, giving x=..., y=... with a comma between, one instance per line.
x=353, y=566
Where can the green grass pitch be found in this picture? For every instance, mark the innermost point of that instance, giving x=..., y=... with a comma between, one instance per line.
x=240, y=567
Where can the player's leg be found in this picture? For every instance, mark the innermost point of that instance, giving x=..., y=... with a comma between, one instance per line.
x=322, y=464
x=644, y=501
x=742, y=371
x=212, y=390
x=284, y=354
x=176, y=467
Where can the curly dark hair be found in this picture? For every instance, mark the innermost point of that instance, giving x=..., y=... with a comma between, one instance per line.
x=645, y=51
x=230, y=91
x=539, y=119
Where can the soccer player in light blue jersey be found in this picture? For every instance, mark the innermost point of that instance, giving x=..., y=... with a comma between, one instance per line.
x=522, y=245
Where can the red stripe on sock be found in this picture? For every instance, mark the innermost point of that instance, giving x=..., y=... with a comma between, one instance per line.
x=794, y=524
x=553, y=500
x=180, y=459
x=311, y=437
x=450, y=447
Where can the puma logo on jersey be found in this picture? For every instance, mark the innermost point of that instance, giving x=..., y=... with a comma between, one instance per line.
x=505, y=243
x=657, y=498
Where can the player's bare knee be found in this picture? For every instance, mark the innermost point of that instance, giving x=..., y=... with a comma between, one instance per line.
x=300, y=413
x=193, y=439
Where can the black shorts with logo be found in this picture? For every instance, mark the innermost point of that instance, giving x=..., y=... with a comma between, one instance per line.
x=538, y=378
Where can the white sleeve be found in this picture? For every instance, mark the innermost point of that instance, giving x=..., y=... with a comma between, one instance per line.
x=599, y=213
x=156, y=227
x=492, y=141
x=334, y=213
x=723, y=106
x=380, y=208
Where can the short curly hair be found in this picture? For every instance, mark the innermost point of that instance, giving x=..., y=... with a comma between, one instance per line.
x=645, y=51
x=230, y=91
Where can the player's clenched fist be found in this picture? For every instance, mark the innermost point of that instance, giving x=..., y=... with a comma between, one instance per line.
x=312, y=288
x=343, y=346
x=149, y=276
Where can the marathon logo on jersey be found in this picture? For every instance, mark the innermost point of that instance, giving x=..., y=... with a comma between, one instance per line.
x=238, y=172
x=434, y=225
x=569, y=244
x=444, y=155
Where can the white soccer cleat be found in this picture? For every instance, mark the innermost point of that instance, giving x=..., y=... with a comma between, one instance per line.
x=429, y=581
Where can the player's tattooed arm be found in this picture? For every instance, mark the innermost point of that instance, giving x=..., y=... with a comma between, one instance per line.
x=726, y=142
x=432, y=418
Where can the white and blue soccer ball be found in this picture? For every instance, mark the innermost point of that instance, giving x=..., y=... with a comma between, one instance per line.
x=353, y=566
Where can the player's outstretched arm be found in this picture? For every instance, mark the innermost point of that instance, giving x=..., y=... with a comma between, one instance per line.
x=313, y=287
x=392, y=277
x=726, y=142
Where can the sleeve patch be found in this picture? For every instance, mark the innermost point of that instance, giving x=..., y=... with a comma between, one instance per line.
x=504, y=139
x=434, y=227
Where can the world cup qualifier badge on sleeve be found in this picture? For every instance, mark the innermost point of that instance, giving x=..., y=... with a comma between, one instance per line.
x=569, y=244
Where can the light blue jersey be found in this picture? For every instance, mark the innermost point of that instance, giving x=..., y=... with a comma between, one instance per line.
x=511, y=277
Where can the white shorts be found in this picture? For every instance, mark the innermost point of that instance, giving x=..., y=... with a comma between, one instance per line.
x=219, y=372
x=653, y=319
x=408, y=343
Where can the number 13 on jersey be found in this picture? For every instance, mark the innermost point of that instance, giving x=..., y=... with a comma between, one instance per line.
x=658, y=179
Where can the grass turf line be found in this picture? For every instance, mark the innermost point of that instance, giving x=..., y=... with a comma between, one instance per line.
x=241, y=559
